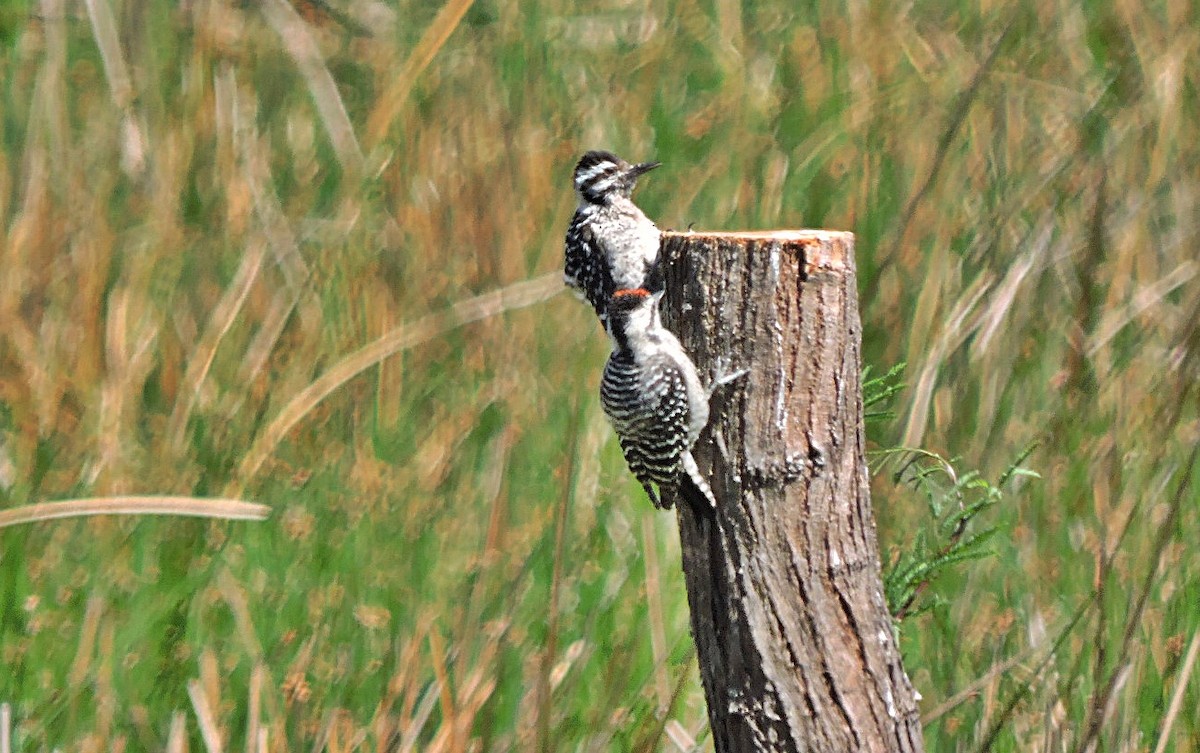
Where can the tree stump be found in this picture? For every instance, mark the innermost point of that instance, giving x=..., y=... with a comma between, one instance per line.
x=793, y=634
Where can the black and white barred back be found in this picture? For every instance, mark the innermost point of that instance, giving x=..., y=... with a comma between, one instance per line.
x=611, y=244
x=653, y=397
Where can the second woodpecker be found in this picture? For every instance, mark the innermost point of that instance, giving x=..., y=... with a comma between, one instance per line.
x=611, y=244
x=655, y=401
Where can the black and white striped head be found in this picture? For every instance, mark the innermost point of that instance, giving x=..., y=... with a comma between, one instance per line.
x=632, y=315
x=601, y=175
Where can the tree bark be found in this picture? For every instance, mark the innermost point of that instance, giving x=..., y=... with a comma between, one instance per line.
x=793, y=635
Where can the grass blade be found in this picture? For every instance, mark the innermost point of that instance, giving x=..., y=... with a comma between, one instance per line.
x=391, y=100
x=300, y=44
x=195, y=507
x=1185, y=674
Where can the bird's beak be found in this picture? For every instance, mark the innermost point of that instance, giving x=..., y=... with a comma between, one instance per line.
x=642, y=168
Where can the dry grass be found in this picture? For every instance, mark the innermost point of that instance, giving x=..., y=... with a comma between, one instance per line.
x=245, y=247
x=228, y=509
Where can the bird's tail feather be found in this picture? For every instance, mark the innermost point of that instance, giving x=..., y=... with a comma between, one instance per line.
x=698, y=498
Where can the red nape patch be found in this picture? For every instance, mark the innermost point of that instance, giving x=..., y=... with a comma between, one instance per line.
x=631, y=293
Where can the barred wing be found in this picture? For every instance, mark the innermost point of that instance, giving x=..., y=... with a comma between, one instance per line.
x=585, y=266
x=648, y=408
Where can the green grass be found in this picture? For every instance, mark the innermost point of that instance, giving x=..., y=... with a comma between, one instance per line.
x=457, y=557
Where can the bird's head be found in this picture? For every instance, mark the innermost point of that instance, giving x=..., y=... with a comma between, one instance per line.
x=600, y=176
x=632, y=314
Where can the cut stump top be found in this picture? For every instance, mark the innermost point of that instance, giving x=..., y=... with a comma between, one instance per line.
x=824, y=250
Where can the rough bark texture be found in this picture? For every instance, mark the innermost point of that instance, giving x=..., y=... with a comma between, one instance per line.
x=794, y=639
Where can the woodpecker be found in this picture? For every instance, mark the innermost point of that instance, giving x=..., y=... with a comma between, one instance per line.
x=654, y=399
x=611, y=244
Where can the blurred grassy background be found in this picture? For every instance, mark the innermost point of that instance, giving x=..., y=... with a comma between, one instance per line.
x=208, y=205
